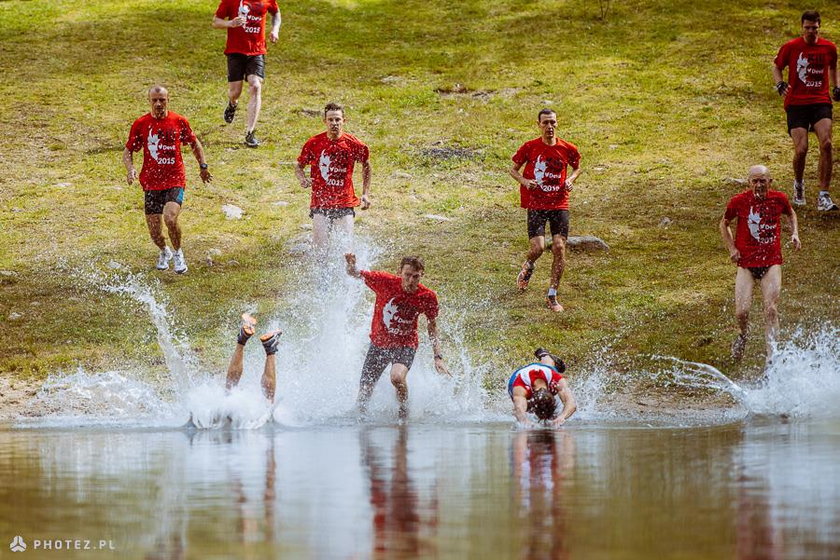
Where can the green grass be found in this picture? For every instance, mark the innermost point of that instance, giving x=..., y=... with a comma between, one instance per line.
x=666, y=100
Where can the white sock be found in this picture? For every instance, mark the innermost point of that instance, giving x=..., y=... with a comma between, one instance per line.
x=823, y=193
x=798, y=183
x=552, y=292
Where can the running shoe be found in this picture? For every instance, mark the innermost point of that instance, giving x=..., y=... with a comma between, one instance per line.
x=799, y=193
x=163, y=259
x=825, y=204
x=179, y=261
x=553, y=304
x=271, y=341
x=738, y=346
x=524, y=275
x=251, y=141
x=230, y=112
x=247, y=328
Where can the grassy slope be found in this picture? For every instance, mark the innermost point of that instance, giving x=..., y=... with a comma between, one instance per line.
x=665, y=100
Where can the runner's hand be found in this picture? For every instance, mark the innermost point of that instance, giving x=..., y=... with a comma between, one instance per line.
x=558, y=422
x=306, y=183
x=365, y=202
x=797, y=244
x=532, y=184
x=273, y=36
x=205, y=176
x=782, y=88
x=734, y=255
x=569, y=184
x=238, y=21
x=835, y=93
x=440, y=367
x=131, y=176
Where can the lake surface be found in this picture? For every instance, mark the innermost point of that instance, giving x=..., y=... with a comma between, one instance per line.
x=759, y=488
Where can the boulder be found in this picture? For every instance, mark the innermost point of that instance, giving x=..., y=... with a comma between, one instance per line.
x=587, y=243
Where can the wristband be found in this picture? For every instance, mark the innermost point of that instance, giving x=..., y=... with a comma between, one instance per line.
x=202, y=166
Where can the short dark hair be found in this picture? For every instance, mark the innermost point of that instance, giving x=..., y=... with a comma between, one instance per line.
x=333, y=107
x=543, y=404
x=414, y=262
x=810, y=15
x=545, y=111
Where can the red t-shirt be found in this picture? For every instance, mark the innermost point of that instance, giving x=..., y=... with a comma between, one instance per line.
x=331, y=164
x=758, y=235
x=547, y=165
x=160, y=140
x=250, y=38
x=526, y=376
x=808, y=67
x=395, y=311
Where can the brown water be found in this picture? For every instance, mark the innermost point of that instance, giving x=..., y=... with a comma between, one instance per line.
x=761, y=489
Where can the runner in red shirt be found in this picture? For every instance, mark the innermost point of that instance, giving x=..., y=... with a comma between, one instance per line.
x=400, y=299
x=160, y=134
x=757, y=250
x=532, y=388
x=245, y=50
x=331, y=156
x=544, y=191
x=812, y=63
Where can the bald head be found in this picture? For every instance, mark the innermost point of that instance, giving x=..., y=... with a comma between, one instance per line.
x=158, y=89
x=759, y=170
x=159, y=100
x=759, y=180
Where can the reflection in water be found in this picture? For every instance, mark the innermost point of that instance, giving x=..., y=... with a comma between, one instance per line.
x=765, y=489
x=400, y=521
x=541, y=459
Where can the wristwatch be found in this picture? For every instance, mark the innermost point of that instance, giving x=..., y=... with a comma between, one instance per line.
x=202, y=166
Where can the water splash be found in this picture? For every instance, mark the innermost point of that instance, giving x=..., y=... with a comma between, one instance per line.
x=802, y=380
x=326, y=323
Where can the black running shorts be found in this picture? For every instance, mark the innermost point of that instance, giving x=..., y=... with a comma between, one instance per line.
x=378, y=359
x=804, y=116
x=332, y=213
x=240, y=66
x=557, y=219
x=758, y=272
x=156, y=200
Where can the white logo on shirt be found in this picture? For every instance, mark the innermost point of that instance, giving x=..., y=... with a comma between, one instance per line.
x=324, y=165
x=757, y=229
x=388, y=313
x=802, y=67
x=539, y=170
x=153, y=143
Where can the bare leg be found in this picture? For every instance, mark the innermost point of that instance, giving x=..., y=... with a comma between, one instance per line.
x=234, y=91
x=269, y=378
x=399, y=373
x=320, y=234
x=344, y=225
x=254, y=100
x=800, y=150
x=771, y=288
x=823, y=130
x=558, y=249
x=536, y=247
x=743, y=299
x=234, y=371
x=153, y=221
x=170, y=216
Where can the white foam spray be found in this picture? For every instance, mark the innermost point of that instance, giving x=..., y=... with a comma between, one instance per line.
x=803, y=379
